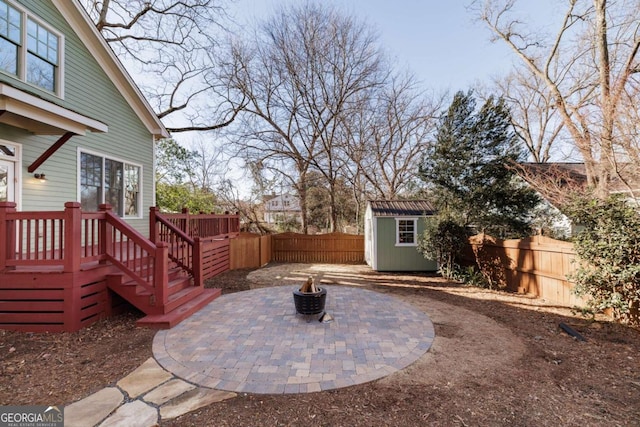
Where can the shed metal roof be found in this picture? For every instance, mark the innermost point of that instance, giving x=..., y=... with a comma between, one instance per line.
x=401, y=207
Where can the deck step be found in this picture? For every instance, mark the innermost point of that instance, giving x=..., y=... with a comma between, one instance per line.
x=169, y=320
x=175, y=300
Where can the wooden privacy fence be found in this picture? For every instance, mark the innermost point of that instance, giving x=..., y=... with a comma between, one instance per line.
x=536, y=266
x=252, y=250
x=333, y=248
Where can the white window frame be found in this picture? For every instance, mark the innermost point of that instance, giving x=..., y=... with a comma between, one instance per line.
x=415, y=231
x=17, y=172
x=124, y=163
x=23, y=51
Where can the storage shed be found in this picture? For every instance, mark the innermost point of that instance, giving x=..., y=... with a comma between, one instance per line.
x=392, y=228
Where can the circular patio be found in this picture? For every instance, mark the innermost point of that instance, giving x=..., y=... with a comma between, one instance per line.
x=255, y=342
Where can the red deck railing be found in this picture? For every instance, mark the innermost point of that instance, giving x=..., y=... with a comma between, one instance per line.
x=89, y=249
x=203, y=225
x=191, y=238
x=70, y=239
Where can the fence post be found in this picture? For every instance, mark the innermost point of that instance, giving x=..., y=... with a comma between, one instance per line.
x=153, y=225
x=197, y=262
x=161, y=274
x=106, y=239
x=7, y=234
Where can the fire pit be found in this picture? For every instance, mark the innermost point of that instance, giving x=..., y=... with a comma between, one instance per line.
x=310, y=302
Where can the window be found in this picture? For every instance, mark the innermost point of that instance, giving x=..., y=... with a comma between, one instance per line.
x=105, y=180
x=10, y=37
x=29, y=50
x=406, y=232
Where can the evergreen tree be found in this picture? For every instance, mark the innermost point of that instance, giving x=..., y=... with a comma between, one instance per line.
x=467, y=169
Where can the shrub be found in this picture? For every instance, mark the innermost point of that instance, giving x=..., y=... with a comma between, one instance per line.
x=443, y=240
x=608, y=251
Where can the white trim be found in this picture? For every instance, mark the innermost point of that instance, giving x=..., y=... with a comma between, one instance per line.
x=415, y=231
x=17, y=172
x=86, y=30
x=374, y=242
x=153, y=170
x=117, y=159
x=42, y=117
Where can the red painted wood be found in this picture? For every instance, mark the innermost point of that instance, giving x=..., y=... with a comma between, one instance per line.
x=31, y=306
x=31, y=318
x=169, y=320
x=93, y=288
x=50, y=151
x=46, y=327
x=52, y=269
x=31, y=294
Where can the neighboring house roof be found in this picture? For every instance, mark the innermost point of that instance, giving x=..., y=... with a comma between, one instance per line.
x=81, y=23
x=401, y=207
x=554, y=180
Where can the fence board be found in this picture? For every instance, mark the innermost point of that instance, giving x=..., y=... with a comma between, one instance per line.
x=333, y=248
x=536, y=266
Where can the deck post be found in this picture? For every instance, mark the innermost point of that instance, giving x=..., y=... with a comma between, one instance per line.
x=7, y=234
x=197, y=262
x=186, y=222
x=72, y=255
x=161, y=274
x=72, y=236
x=153, y=225
x=105, y=235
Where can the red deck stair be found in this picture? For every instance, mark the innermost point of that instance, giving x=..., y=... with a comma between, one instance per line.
x=64, y=270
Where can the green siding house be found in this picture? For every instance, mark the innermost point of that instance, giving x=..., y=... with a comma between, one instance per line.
x=73, y=125
x=391, y=235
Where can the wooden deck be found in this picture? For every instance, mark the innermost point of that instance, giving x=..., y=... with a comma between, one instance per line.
x=61, y=271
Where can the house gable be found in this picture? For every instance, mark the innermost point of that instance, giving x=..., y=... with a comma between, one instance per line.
x=113, y=121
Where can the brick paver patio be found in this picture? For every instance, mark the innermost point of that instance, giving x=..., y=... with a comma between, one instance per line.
x=254, y=341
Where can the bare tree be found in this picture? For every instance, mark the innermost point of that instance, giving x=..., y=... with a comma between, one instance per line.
x=387, y=137
x=533, y=113
x=587, y=68
x=301, y=73
x=172, y=42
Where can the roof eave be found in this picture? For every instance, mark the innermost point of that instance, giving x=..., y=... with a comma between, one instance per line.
x=81, y=23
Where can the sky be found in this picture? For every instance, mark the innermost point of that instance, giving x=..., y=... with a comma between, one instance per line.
x=437, y=40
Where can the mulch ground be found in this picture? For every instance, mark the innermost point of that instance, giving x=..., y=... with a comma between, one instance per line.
x=534, y=374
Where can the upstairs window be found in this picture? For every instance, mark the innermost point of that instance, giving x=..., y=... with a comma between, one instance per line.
x=42, y=56
x=30, y=50
x=10, y=37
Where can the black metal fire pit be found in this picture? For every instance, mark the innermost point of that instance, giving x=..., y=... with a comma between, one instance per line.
x=310, y=302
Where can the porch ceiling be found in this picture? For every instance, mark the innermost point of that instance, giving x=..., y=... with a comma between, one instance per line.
x=42, y=117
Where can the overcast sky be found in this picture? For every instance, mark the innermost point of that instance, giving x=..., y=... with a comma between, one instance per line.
x=437, y=40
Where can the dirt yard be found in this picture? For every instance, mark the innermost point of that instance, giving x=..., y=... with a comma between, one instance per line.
x=497, y=360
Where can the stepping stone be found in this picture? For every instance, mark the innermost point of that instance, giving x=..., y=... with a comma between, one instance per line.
x=146, y=377
x=168, y=391
x=93, y=409
x=192, y=400
x=133, y=414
